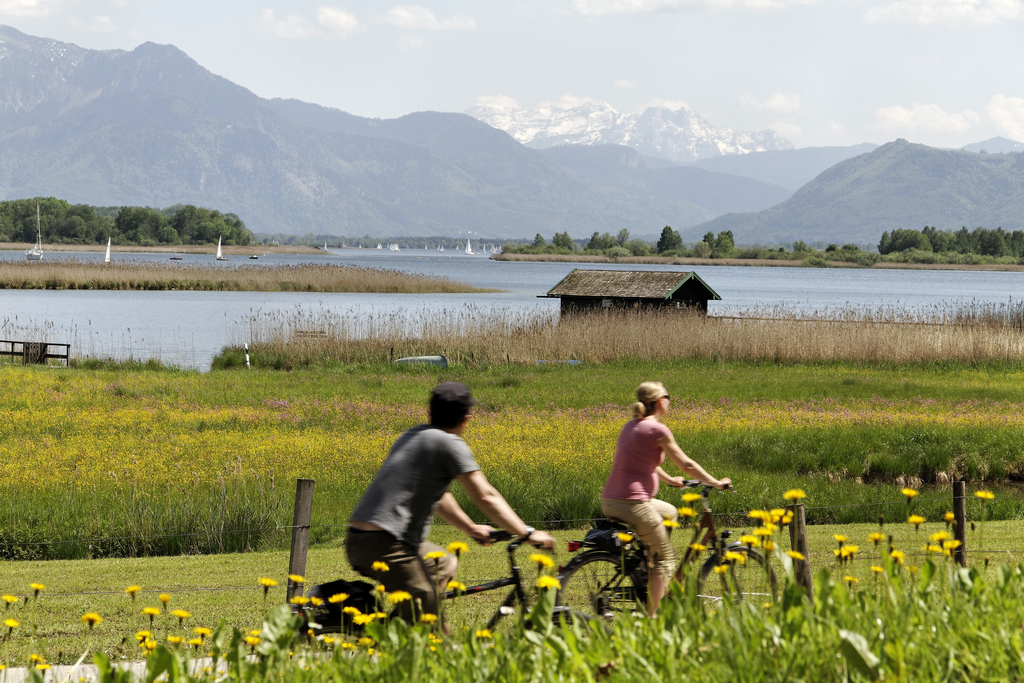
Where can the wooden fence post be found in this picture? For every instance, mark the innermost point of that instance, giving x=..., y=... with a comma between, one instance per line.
x=300, y=533
x=960, y=521
x=798, y=542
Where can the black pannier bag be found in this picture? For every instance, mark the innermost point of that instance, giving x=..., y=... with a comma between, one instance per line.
x=329, y=617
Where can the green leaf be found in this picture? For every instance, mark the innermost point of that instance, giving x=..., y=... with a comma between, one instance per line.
x=857, y=653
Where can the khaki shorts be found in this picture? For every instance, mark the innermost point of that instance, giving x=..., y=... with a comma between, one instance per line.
x=407, y=569
x=647, y=519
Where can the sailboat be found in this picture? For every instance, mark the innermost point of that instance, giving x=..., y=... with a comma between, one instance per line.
x=469, y=249
x=106, y=259
x=220, y=254
x=36, y=252
x=378, y=245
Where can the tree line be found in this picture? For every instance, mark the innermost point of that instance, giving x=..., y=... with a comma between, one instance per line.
x=981, y=241
x=64, y=223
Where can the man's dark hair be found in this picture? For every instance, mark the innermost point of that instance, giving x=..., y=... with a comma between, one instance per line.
x=450, y=402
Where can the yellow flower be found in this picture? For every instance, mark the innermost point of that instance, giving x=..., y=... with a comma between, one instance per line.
x=916, y=520
x=731, y=556
x=796, y=555
x=36, y=658
x=687, y=512
x=175, y=640
x=456, y=548
x=671, y=524
x=984, y=495
x=351, y=610
x=380, y=567
x=778, y=514
x=380, y=588
x=399, y=596
x=762, y=515
x=951, y=544
x=91, y=618
x=267, y=582
x=691, y=497
x=549, y=582
x=151, y=611
x=434, y=555
x=898, y=555
x=909, y=493
x=769, y=545
x=132, y=590
x=181, y=614
x=876, y=569
x=11, y=623
x=149, y=644
x=10, y=599
x=165, y=598
x=142, y=635
x=794, y=494
x=428, y=618
x=848, y=551
x=624, y=537
x=750, y=540
x=316, y=602
x=42, y=667
x=483, y=633
x=876, y=538
x=949, y=517
x=543, y=561
x=939, y=536
x=363, y=619
x=202, y=631
x=721, y=568
x=840, y=539
x=252, y=641
x=297, y=578
x=698, y=547
x=337, y=597
x=456, y=586
x=851, y=579
x=763, y=531
x=39, y=587
x=301, y=599
x=195, y=642
x=932, y=548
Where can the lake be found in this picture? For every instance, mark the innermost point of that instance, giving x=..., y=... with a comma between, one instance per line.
x=189, y=328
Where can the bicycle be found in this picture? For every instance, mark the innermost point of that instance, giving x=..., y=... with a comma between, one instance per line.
x=610, y=577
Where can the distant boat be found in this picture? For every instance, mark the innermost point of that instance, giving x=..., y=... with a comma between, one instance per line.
x=36, y=252
x=253, y=256
x=469, y=248
x=220, y=254
x=175, y=258
x=378, y=245
x=106, y=259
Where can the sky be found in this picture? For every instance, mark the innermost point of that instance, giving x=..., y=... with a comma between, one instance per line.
x=943, y=73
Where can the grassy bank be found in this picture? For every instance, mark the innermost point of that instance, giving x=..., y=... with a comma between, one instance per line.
x=72, y=274
x=133, y=462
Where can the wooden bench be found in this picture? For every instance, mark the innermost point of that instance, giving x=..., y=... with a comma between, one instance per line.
x=32, y=353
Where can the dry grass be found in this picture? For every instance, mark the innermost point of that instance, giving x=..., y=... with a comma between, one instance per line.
x=307, y=337
x=73, y=274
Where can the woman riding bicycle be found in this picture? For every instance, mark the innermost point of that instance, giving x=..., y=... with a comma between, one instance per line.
x=628, y=494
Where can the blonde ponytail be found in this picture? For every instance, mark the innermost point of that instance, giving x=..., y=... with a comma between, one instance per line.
x=647, y=395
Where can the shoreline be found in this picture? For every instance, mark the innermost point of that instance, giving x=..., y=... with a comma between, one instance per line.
x=778, y=263
x=255, y=249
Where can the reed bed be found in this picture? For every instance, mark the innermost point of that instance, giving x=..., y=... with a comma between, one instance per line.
x=74, y=274
x=308, y=337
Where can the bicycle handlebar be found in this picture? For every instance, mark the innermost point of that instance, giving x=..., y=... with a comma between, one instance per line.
x=696, y=483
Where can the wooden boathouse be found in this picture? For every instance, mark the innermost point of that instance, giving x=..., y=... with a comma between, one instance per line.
x=589, y=290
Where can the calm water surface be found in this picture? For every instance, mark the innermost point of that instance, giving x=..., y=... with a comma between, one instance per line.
x=189, y=328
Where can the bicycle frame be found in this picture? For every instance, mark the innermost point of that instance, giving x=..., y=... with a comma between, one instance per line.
x=518, y=593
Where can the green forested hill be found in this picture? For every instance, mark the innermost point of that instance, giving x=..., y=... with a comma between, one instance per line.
x=900, y=185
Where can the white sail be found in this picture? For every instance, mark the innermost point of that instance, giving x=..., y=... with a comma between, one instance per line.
x=36, y=252
x=469, y=248
x=220, y=254
x=106, y=259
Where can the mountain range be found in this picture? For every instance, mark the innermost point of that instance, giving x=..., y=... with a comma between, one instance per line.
x=678, y=134
x=151, y=127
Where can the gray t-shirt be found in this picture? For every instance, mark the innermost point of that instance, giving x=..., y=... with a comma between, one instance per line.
x=417, y=472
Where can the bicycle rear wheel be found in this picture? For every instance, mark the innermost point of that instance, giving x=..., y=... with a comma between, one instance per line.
x=750, y=580
x=594, y=584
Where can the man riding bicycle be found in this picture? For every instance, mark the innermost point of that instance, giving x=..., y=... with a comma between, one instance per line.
x=391, y=522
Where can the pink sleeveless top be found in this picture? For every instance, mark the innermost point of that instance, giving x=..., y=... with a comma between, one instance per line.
x=637, y=453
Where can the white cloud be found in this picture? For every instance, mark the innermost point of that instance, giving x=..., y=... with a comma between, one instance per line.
x=787, y=129
x=623, y=84
x=778, y=102
x=497, y=101
x=337, y=21
x=954, y=12
x=292, y=26
x=604, y=7
x=27, y=8
x=1007, y=113
x=923, y=118
x=418, y=16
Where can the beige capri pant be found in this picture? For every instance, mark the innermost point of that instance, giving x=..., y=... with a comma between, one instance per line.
x=647, y=518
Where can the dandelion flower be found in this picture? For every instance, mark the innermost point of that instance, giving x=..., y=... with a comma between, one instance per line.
x=734, y=557
x=337, y=597
x=671, y=524
x=380, y=588
x=898, y=555
x=876, y=569
x=43, y=666
x=840, y=539
x=794, y=494
x=984, y=495
x=10, y=599
x=202, y=631
x=175, y=640
x=297, y=578
x=364, y=641
x=380, y=566
x=909, y=493
x=698, y=547
x=543, y=561
x=691, y=497
x=796, y=555
x=133, y=590
x=142, y=635
x=939, y=536
x=351, y=610
x=151, y=611
x=315, y=601
x=456, y=548
x=195, y=642
x=549, y=582
x=721, y=568
x=37, y=587
x=851, y=580
x=763, y=531
x=750, y=540
x=302, y=599
x=951, y=544
x=165, y=598
x=483, y=633
x=12, y=623
x=252, y=641
x=435, y=555
x=92, y=619
x=456, y=586
x=624, y=537
x=769, y=545
x=916, y=520
x=949, y=517
x=687, y=512
x=428, y=618
x=181, y=614
x=399, y=596
x=876, y=538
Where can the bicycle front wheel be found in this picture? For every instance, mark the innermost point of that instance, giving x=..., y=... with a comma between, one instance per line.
x=595, y=585
x=751, y=580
